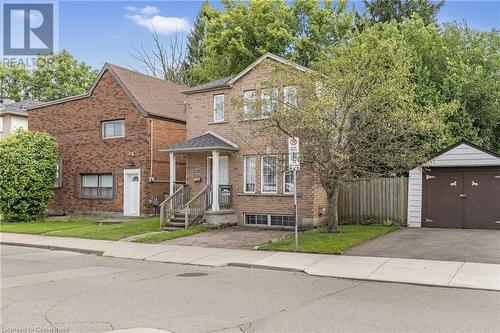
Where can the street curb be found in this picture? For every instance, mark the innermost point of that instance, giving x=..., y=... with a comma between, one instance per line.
x=56, y=248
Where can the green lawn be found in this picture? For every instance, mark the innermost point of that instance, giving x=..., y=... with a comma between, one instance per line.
x=84, y=227
x=318, y=241
x=166, y=235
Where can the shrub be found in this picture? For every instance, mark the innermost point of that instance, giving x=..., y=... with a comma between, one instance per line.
x=389, y=223
x=27, y=173
x=369, y=219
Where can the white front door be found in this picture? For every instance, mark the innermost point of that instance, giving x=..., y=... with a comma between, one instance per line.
x=131, y=192
x=223, y=170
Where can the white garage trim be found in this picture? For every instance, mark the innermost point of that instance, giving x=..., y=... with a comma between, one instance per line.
x=461, y=154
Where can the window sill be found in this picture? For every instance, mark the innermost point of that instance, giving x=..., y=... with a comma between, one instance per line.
x=253, y=119
x=95, y=198
x=114, y=138
x=218, y=122
x=290, y=195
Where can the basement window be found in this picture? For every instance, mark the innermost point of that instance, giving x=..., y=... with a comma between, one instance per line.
x=270, y=220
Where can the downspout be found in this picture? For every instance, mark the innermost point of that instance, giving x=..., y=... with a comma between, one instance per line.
x=151, y=178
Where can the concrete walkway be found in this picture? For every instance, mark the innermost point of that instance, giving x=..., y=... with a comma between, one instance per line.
x=414, y=271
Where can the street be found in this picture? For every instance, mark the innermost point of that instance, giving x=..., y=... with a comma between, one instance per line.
x=45, y=290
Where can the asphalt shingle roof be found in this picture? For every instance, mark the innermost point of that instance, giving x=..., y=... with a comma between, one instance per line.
x=220, y=83
x=207, y=141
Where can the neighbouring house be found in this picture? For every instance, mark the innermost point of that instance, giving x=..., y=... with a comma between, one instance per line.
x=236, y=174
x=459, y=188
x=14, y=115
x=109, y=140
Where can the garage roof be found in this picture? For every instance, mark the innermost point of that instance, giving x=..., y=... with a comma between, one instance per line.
x=464, y=153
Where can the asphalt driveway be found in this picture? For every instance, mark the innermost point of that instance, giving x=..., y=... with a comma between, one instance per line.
x=435, y=244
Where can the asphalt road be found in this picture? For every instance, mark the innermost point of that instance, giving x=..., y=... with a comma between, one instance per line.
x=43, y=290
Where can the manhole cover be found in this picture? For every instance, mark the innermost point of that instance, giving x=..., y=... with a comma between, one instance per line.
x=195, y=274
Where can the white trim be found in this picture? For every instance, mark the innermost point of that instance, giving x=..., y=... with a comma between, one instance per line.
x=125, y=173
x=229, y=142
x=223, y=101
x=245, y=173
x=260, y=59
x=262, y=174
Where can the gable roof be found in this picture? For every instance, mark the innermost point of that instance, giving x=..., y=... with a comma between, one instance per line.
x=466, y=153
x=228, y=81
x=152, y=96
x=205, y=142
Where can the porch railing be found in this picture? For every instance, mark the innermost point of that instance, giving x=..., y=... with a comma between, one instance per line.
x=173, y=204
x=197, y=206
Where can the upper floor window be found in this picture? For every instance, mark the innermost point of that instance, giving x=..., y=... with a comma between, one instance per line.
x=113, y=129
x=269, y=101
x=249, y=100
x=97, y=186
x=290, y=96
x=218, y=108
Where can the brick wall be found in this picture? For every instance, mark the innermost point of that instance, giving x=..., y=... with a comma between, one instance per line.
x=76, y=125
x=252, y=140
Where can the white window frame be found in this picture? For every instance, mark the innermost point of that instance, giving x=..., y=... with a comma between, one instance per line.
x=262, y=174
x=246, y=107
x=58, y=181
x=286, y=97
x=215, y=108
x=99, y=186
x=272, y=94
x=1, y=124
x=245, y=173
x=268, y=217
x=103, y=128
x=285, y=171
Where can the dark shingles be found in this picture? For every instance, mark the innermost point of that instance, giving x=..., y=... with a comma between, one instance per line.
x=210, y=85
x=203, y=142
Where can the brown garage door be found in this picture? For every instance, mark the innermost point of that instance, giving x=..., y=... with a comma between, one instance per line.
x=461, y=198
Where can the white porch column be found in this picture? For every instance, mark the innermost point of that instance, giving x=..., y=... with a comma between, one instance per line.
x=172, y=172
x=215, y=181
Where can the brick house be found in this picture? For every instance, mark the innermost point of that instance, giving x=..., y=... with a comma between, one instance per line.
x=234, y=173
x=109, y=140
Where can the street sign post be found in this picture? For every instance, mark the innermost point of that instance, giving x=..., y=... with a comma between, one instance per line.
x=294, y=164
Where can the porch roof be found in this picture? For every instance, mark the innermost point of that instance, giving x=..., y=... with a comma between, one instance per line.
x=206, y=142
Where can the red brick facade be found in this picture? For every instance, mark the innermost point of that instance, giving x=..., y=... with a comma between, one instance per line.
x=251, y=140
x=76, y=125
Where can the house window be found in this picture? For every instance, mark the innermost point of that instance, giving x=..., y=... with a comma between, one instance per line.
x=249, y=101
x=58, y=180
x=1, y=124
x=270, y=220
x=269, y=101
x=113, y=129
x=287, y=178
x=97, y=186
x=269, y=174
x=218, y=108
x=249, y=173
x=290, y=96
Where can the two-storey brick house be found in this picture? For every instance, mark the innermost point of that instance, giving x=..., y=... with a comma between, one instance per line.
x=238, y=171
x=109, y=140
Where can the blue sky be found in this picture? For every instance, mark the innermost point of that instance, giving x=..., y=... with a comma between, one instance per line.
x=106, y=31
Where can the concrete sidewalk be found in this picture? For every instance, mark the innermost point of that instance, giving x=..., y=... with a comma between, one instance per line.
x=414, y=271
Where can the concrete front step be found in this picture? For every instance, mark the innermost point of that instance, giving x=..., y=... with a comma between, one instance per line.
x=170, y=228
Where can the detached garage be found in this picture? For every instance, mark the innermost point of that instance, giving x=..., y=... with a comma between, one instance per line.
x=459, y=188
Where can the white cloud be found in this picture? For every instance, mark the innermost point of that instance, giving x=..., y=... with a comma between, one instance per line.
x=149, y=11
x=146, y=17
x=131, y=8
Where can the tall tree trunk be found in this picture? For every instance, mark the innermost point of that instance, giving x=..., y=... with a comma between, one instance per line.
x=333, y=220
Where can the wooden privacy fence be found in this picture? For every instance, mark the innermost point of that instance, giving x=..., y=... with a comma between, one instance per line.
x=381, y=198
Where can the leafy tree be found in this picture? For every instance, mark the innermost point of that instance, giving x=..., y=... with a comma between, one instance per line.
x=14, y=82
x=400, y=10
x=240, y=34
x=27, y=174
x=318, y=28
x=58, y=76
x=196, y=40
x=356, y=114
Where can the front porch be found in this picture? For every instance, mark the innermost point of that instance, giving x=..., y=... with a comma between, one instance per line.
x=209, y=195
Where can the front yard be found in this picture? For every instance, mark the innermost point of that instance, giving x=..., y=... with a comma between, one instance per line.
x=84, y=227
x=318, y=241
